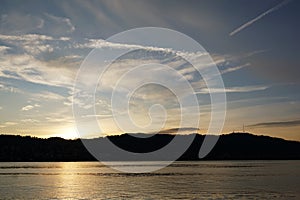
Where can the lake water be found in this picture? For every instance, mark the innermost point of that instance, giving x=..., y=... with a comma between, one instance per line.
x=181, y=180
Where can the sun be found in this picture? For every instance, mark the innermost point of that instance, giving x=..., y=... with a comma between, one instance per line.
x=69, y=133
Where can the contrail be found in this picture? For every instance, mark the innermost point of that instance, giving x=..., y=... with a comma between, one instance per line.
x=259, y=17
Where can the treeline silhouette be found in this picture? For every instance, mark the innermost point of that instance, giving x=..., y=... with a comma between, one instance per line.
x=234, y=146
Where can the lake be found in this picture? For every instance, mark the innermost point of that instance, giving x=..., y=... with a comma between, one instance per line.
x=180, y=180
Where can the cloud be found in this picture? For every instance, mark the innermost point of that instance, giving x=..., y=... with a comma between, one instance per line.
x=233, y=89
x=3, y=49
x=10, y=123
x=46, y=95
x=119, y=15
x=228, y=63
x=33, y=44
x=1, y=108
x=27, y=68
x=235, y=68
x=25, y=37
x=59, y=25
x=100, y=43
x=254, y=53
x=60, y=119
x=30, y=107
x=19, y=23
x=8, y=88
x=30, y=120
x=277, y=124
x=143, y=55
x=181, y=130
x=102, y=116
x=259, y=17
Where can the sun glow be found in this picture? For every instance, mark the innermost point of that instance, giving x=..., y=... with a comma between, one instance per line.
x=68, y=133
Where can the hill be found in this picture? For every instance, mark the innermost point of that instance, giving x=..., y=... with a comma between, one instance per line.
x=234, y=146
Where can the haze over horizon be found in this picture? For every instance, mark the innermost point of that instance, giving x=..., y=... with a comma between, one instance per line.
x=255, y=45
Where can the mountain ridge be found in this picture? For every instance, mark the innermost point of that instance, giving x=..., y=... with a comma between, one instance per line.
x=233, y=146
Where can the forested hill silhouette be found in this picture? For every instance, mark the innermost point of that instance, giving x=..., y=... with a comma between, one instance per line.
x=234, y=146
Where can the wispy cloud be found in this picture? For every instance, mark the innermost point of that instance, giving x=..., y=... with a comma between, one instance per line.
x=3, y=49
x=30, y=107
x=29, y=69
x=18, y=23
x=26, y=37
x=46, y=95
x=235, y=68
x=232, y=89
x=30, y=120
x=276, y=124
x=181, y=130
x=64, y=24
x=7, y=124
x=10, y=123
x=259, y=17
x=100, y=43
x=33, y=44
x=8, y=88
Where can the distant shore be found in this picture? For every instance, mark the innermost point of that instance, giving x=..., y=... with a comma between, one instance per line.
x=234, y=146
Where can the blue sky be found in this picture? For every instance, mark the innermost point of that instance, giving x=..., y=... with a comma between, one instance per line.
x=254, y=43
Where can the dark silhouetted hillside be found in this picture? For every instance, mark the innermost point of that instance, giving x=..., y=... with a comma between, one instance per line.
x=235, y=146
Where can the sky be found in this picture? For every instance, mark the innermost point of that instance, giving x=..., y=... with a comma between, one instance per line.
x=255, y=45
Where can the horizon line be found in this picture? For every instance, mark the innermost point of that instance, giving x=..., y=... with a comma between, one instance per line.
x=170, y=134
